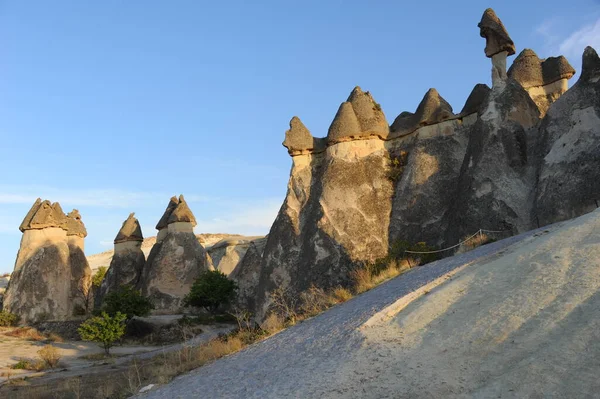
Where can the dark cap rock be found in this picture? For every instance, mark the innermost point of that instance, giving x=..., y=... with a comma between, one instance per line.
x=44, y=214
x=369, y=114
x=432, y=109
x=130, y=230
x=531, y=71
x=74, y=225
x=496, y=36
x=182, y=213
x=475, y=99
x=163, y=222
x=298, y=137
x=345, y=124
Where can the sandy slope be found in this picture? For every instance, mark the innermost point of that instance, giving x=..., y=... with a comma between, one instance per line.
x=519, y=318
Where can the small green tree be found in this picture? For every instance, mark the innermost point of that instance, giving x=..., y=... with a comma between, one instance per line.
x=104, y=329
x=99, y=276
x=128, y=301
x=210, y=291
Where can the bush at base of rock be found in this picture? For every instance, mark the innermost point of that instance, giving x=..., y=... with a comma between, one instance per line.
x=128, y=301
x=8, y=319
x=210, y=291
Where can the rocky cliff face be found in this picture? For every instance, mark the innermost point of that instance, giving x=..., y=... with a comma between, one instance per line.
x=518, y=155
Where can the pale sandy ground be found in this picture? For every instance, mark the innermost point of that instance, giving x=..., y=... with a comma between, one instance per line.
x=520, y=318
x=14, y=349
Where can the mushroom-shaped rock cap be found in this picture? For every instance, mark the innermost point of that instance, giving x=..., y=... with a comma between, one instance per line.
x=359, y=116
x=475, y=99
x=130, y=230
x=75, y=226
x=432, y=109
x=590, y=64
x=531, y=71
x=163, y=222
x=44, y=214
x=496, y=36
x=182, y=213
x=345, y=124
x=368, y=112
x=298, y=138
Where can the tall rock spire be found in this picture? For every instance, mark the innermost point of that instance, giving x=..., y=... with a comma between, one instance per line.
x=498, y=44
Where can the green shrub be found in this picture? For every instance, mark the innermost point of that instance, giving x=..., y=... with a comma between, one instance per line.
x=210, y=291
x=8, y=319
x=104, y=329
x=128, y=301
x=99, y=276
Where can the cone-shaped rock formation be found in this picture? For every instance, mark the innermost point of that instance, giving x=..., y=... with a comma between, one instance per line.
x=128, y=260
x=175, y=260
x=496, y=37
x=432, y=109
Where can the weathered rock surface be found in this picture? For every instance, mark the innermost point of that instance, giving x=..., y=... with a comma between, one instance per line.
x=544, y=79
x=51, y=272
x=569, y=181
x=228, y=253
x=127, y=262
x=431, y=110
x=476, y=99
x=496, y=37
x=175, y=260
x=247, y=274
x=360, y=116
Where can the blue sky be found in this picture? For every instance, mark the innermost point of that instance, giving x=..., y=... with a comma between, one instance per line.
x=112, y=107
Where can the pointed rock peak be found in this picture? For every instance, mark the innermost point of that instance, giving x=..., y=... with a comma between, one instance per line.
x=590, y=64
x=369, y=114
x=356, y=92
x=130, y=230
x=182, y=213
x=74, y=225
x=163, y=222
x=475, y=99
x=433, y=108
x=44, y=214
x=298, y=138
x=497, y=39
x=27, y=220
x=345, y=124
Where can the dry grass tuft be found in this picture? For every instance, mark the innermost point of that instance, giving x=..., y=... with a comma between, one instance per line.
x=273, y=323
x=341, y=294
x=28, y=333
x=52, y=337
x=49, y=356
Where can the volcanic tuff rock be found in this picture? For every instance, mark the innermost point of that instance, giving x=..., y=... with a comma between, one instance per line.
x=545, y=80
x=359, y=117
x=228, y=253
x=247, y=274
x=496, y=37
x=431, y=110
x=127, y=262
x=436, y=176
x=569, y=177
x=175, y=261
x=51, y=270
x=74, y=225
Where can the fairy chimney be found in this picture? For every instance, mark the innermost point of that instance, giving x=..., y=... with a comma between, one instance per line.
x=498, y=44
x=175, y=261
x=127, y=262
x=51, y=269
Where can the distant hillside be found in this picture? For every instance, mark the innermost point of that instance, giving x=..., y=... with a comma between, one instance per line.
x=206, y=239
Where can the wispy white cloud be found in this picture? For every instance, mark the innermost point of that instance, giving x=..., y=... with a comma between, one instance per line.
x=249, y=219
x=575, y=43
x=104, y=198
